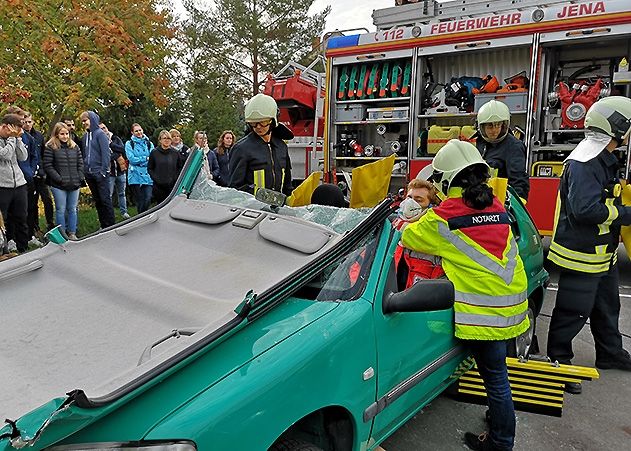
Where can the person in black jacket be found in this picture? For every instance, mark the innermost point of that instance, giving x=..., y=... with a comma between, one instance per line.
x=63, y=165
x=164, y=167
x=118, y=170
x=500, y=149
x=41, y=188
x=261, y=158
x=222, y=152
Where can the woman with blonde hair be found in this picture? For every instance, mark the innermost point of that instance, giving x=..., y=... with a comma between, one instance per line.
x=164, y=167
x=210, y=166
x=64, y=168
x=222, y=152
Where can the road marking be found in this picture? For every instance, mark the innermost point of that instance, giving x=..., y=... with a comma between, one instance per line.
x=555, y=287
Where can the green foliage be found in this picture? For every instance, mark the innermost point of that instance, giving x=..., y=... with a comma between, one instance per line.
x=251, y=38
x=71, y=55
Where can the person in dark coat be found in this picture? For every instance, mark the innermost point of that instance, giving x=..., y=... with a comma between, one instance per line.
x=261, y=159
x=500, y=149
x=41, y=188
x=164, y=167
x=222, y=152
x=118, y=170
x=210, y=166
x=63, y=165
x=96, y=155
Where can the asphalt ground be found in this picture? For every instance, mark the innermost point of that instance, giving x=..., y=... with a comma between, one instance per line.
x=598, y=419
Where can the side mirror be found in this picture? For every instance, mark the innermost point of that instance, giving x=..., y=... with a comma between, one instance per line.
x=270, y=197
x=423, y=296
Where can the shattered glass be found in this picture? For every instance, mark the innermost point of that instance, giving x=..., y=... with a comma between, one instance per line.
x=340, y=220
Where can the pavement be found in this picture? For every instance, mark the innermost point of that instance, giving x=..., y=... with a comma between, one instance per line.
x=598, y=419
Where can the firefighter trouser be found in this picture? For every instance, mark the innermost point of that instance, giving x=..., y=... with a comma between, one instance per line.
x=582, y=296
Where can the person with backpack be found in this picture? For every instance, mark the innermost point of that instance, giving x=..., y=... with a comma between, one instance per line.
x=138, y=149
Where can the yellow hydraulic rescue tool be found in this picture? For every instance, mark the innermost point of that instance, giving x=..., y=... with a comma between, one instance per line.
x=537, y=386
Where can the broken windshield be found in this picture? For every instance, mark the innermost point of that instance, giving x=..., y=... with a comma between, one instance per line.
x=339, y=220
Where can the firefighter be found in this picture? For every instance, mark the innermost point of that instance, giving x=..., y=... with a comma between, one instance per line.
x=500, y=149
x=589, y=215
x=470, y=230
x=261, y=158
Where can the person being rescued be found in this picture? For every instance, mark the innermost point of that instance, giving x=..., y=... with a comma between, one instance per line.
x=412, y=266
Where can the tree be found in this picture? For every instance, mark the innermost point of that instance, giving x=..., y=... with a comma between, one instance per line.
x=71, y=55
x=251, y=38
x=210, y=102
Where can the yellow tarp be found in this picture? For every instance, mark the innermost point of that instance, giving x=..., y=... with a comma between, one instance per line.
x=500, y=186
x=370, y=182
x=302, y=194
x=626, y=230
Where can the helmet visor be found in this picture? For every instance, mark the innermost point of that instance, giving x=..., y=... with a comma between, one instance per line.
x=494, y=132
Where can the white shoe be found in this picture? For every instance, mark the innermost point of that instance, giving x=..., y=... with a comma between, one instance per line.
x=72, y=237
x=126, y=216
x=11, y=246
x=35, y=242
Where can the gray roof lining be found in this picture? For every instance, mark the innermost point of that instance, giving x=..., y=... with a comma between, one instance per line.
x=87, y=314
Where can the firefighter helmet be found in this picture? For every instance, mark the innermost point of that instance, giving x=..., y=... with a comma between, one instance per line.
x=451, y=159
x=612, y=116
x=261, y=107
x=493, y=112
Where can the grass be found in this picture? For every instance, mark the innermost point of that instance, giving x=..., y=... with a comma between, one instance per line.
x=88, y=219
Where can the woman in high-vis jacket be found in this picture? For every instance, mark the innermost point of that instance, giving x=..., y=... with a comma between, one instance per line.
x=470, y=231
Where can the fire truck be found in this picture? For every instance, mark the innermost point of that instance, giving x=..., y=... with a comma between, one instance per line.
x=299, y=93
x=420, y=79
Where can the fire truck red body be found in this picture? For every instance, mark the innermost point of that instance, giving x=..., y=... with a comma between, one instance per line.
x=571, y=52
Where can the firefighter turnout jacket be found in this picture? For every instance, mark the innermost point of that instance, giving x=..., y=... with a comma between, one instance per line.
x=480, y=257
x=508, y=158
x=256, y=164
x=588, y=216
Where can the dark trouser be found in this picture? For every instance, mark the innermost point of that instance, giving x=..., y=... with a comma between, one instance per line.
x=142, y=195
x=161, y=192
x=582, y=296
x=32, y=219
x=14, y=208
x=490, y=356
x=42, y=190
x=100, y=189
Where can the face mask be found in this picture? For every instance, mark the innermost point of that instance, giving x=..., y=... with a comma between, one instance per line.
x=410, y=210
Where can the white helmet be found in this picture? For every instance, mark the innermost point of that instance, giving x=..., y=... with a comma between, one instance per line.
x=452, y=158
x=261, y=107
x=493, y=112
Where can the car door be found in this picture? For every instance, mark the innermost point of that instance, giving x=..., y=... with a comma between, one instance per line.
x=417, y=353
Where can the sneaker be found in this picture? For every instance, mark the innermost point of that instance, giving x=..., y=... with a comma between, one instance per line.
x=72, y=237
x=620, y=362
x=35, y=242
x=575, y=388
x=11, y=246
x=126, y=216
x=481, y=442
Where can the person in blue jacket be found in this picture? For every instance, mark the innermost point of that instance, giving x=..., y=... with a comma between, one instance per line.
x=96, y=157
x=138, y=149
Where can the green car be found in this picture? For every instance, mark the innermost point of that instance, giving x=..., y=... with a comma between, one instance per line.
x=217, y=322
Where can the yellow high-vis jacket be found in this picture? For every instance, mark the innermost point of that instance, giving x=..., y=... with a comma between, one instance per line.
x=480, y=257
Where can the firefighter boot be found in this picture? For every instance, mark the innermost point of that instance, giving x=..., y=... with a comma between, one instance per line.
x=480, y=442
x=621, y=362
x=574, y=388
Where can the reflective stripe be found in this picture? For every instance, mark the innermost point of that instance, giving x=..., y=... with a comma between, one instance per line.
x=579, y=256
x=591, y=268
x=419, y=255
x=613, y=214
x=484, y=300
x=282, y=180
x=481, y=259
x=259, y=179
x=489, y=320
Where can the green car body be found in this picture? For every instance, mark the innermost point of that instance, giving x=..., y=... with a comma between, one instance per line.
x=341, y=375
